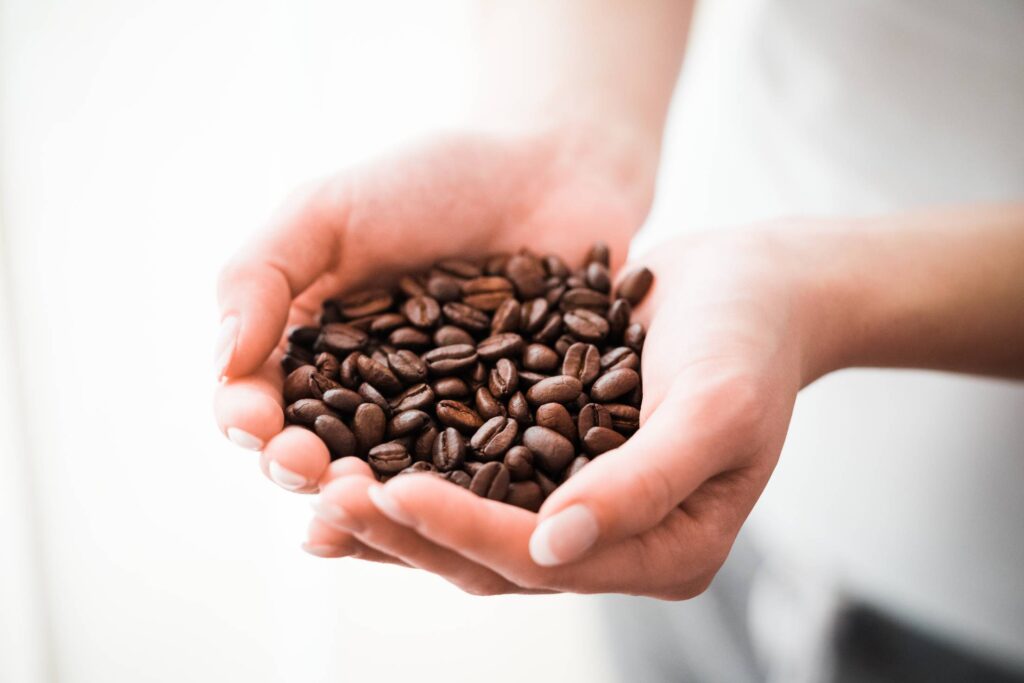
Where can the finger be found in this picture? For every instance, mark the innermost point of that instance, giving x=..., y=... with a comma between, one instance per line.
x=296, y=459
x=346, y=503
x=327, y=541
x=345, y=467
x=697, y=431
x=248, y=409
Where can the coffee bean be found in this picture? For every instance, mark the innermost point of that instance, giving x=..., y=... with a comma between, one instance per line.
x=552, y=451
x=582, y=361
x=584, y=298
x=423, y=447
x=586, y=325
x=503, y=345
x=504, y=378
x=507, y=317
x=459, y=478
x=620, y=357
x=466, y=317
x=422, y=311
x=593, y=415
x=368, y=426
x=419, y=466
x=458, y=267
x=447, y=360
x=563, y=343
x=613, y=384
x=598, y=254
x=340, y=339
x=541, y=358
x=491, y=481
x=444, y=288
x=519, y=408
x=417, y=397
x=327, y=364
x=554, y=266
x=371, y=395
x=343, y=400
x=528, y=378
x=495, y=264
x=519, y=461
x=407, y=366
x=378, y=375
x=576, y=465
x=303, y=335
x=450, y=387
x=525, y=494
x=555, y=416
x=364, y=323
x=527, y=274
x=634, y=286
x=478, y=376
x=290, y=362
x=618, y=318
x=534, y=314
x=389, y=458
x=547, y=487
x=296, y=384
x=487, y=293
x=348, y=373
x=458, y=415
x=634, y=337
x=625, y=418
x=366, y=303
x=597, y=440
x=557, y=389
x=411, y=286
x=598, y=278
x=449, y=335
x=549, y=332
x=409, y=337
x=494, y=437
x=407, y=422
x=449, y=450
x=338, y=437
x=486, y=405
x=331, y=313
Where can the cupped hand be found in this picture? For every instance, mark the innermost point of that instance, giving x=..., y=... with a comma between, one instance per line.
x=729, y=345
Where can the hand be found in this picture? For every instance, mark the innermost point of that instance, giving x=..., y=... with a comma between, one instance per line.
x=729, y=345
x=467, y=195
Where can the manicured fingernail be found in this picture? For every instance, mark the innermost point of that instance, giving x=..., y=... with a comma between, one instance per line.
x=227, y=338
x=324, y=550
x=285, y=478
x=564, y=537
x=244, y=439
x=336, y=516
x=386, y=503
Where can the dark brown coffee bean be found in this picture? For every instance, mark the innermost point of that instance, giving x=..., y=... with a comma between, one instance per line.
x=423, y=447
x=459, y=267
x=340, y=339
x=366, y=303
x=444, y=288
x=407, y=366
x=552, y=452
x=328, y=365
x=449, y=335
x=466, y=317
x=364, y=323
x=618, y=318
x=578, y=280
x=449, y=450
x=581, y=400
x=407, y=422
x=447, y=360
x=491, y=481
x=540, y=358
x=598, y=254
x=331, y=313
x=547, y=487
x=494, y=438
x=290, y=363
x=478, y=376
x=597, y=440
x=486, y=405
x=586, y=325
x=459, y=478
x=487, y=293
x=419, y=466
x=338, y=437
x=563, y=343
x=296, y=384
x=495, y=264
x=554, y=295
x=625, y=418
x=534, y=314
x=635, y=285
x=593, y=415
x=305, y=411
x=450, y=387
x=305, y=355
x=519, y=461
x=525, y=494
x=527, y=378
x=613, y=384
x=409, y=338
x=380, y=356
x=303, y=335
x=371, y=395
x=519, y=408
x=598, y=278
x=507, y=317
x=348, y=373
x=417, y=397
x=620, y=357
x=576, y=465
x=554, y=266
x=472, y=467
x=634, y=337
x=557, y=389
x=422, y=311
x=527, y=274
x=458, y=415
x=503, y=345
x=389, y=458
x=343, y=400
x=504, y=379
x=551, y=329
x=411, y=286
x=555, y=416
x=584, y=298
x=582, y=361
x=368, y=426
x=378, y=374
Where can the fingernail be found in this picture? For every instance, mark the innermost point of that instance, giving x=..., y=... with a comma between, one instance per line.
x=224, y=347
x=285, y=478
x=324, y=550
x=386, y=503
x=564, y=537
x=336, y=516
x=244, y=439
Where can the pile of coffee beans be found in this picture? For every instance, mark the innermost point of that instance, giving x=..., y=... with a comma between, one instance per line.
x=505, y=376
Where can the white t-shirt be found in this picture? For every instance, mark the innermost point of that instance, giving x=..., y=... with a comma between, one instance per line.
x=904, y=488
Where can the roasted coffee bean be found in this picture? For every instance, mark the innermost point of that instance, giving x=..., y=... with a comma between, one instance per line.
x=459, y=478
x=303, y=335
x=576, y=465
x=290, y=362
x=563, y=343
x=447, y=360
x=449, y=450
x=634, y=337
x=555, y=266
x=504, y=378
x=557, y=389
x=422, y=311
x=597, y=440
x=466, y=317
x=378, y=374
x=620, y=357
x=364, y=323
x=507, y=317
x=491, y=481
x=423, y=447
x=547, y=487
x=598, y=278
x=343, y=400
x=348, y=373
x=407, y=366
x=487, y=293
x=549, y=332
x=458, y=415
x=385, y=322
x=555, y=416
x=528, y=378
x=302, y=352
x=598, y=254
x=305, y=411
x=554, y=295
x=540, y=358
x=578, y=280
x=613, y=384
x=407, y=422
x=486, y=405
x=389, y=458
x=371, y=395
x=618, y=318
x=525, y=494
x=634, y=286
x=296, y=384
x=552, y=452
x=519, y=408
x=582, y=361
x=417, y=397
x=586, y=325
x=458, y=267
x=534, y=314
x=328, y=365
x=380, y=356
x=366, y=303
x=495, y=264
x=584, y=298
x=494, y=438
x=625, y=418
x=338, y=437
x=450, y=387
x=411, y=286
x=419, y=466
x=444, y=288
x=473, y=466
x=477, y=377
x=527, y=274
x=450, y=335
x=331, y=313
x=409, y=338
x=593, y=415
x=503, y=345
x=519, y=461
x=368, y=426
x=340, y=339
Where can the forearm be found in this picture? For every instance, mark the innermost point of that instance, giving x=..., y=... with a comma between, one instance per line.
x=940, y=289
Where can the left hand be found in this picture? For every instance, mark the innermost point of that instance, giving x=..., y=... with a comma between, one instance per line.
x=729, y=344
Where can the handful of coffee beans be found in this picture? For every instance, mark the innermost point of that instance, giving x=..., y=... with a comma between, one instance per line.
x=505, y=376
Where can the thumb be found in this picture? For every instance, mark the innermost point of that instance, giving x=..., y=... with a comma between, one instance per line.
x=693, y=434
